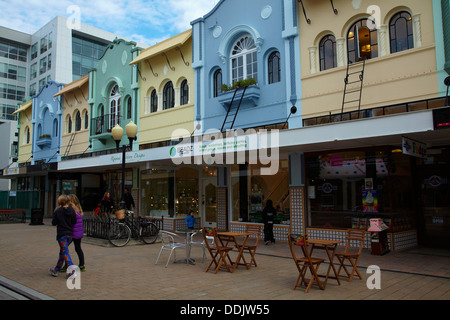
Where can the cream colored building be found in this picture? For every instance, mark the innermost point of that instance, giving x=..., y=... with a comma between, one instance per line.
x=396, y=70
x=167, y=89
x=75, y=131
x=25, y=132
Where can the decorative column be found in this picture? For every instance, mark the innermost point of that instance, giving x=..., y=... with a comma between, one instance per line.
x=313, y=59
x=222, y=199
x=417, y=30
x=383, y=44
x=297, y=192
x=340, y=52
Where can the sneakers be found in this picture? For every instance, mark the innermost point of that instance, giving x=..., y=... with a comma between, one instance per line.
x=82, y=268
x=53, y=272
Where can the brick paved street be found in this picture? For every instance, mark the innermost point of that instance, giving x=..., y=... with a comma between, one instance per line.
x=26, y=253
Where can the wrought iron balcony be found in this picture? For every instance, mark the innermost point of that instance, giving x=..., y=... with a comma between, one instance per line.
x=101, y=126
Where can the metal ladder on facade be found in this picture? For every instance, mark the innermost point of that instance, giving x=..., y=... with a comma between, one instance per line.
x=353, y=85
x=69, y=145
x=232, y=112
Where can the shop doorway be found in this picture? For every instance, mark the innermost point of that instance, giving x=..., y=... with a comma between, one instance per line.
x=208, y=199
x=434, y=218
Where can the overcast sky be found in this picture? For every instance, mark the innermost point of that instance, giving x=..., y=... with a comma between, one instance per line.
x=144, y=21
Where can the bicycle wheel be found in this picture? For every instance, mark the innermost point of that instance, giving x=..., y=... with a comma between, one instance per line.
x=149, y=232
x=119, y=234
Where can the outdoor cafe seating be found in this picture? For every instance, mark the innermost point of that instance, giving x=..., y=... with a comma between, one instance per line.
x=218, y=252
x=304, y=262
x=352, y=252
x=170, y=242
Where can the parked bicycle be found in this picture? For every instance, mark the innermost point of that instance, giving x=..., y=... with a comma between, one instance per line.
x=121, y=231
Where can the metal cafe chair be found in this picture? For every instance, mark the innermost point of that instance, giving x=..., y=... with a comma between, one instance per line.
x=169, y=244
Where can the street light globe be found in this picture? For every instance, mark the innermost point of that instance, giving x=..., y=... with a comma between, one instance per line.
x=131, y=130
x=117, y=132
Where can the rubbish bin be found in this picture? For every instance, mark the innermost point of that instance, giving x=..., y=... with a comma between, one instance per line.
x=379, y=241
x=37, y=217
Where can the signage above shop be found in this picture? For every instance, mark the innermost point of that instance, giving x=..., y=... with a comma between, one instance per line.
x=414, y=148
x=441, y=118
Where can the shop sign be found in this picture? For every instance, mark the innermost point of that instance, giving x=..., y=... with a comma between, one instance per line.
x=441, y=118
x=414, y=148
x=12, y=171
x=435, y=181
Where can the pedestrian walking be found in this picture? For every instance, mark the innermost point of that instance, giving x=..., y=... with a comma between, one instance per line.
x=268, y=215
x=128, y=198
x=78, y=231
x=64, y=218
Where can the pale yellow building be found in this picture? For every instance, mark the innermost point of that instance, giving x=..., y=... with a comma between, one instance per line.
x=75, y=118
x=395, y=38
x=25, y=132
x=167, y=89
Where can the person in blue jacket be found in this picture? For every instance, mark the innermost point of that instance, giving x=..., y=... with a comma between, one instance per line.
x=190, y=220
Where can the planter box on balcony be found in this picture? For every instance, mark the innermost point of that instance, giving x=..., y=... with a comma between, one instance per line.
x=44, y=142
x=250, y=98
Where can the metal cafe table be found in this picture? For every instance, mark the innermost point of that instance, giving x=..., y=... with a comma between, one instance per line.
x=188, y=258
x=232, y=237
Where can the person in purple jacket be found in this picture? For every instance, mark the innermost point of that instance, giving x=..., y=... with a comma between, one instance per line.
x=78, y=231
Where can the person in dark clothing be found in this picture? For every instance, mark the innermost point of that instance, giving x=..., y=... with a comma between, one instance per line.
x=268, y=215
x=128, y=198
x=107, y=204
x=64, y=218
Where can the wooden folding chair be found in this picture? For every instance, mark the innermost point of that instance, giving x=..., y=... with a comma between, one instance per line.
x=218, y=253
x=352, y=252
x=304, y=263
x=251, y=244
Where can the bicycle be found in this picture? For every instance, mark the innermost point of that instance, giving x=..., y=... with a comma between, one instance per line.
x=121, y=231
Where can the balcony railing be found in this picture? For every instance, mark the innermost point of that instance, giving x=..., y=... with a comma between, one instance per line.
x=103, y=124
x=377, y=111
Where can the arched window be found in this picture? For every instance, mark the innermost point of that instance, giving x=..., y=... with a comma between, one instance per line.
x=401, y=32
x=153, y=101
x=28, y=136
x=168, y=96
x=129, y=108
x=55, y=128
x=362, y=42
x=274, y=67
x=217, y=82
x=69, y=124
x=244, y=59
x=86, y=120
x=78, y=121
x=327, y=52
x=184, y=93
x=114, y=106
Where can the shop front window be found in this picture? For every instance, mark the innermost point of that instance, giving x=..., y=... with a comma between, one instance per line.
x=251, y=190
x=346, y=189
x=155, y=192
x=186, y=188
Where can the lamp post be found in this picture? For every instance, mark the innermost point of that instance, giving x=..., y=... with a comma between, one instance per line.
x=117, y=133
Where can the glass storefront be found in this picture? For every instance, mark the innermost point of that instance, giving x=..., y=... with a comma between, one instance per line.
x=250, y=190
x=347, y=188
x=168, y=193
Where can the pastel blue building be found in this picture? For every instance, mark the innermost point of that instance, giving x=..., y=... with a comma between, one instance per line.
x=47, y=124
x=241, y=40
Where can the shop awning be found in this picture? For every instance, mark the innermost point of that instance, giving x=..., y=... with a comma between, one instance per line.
x=23, y=107
x=165, y=45
x=73, y=85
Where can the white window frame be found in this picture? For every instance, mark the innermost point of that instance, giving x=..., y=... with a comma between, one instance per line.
x=244, y=51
